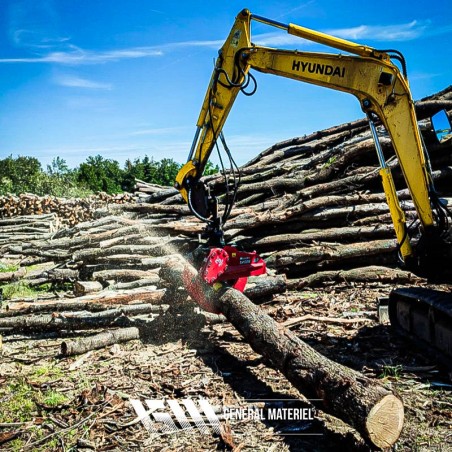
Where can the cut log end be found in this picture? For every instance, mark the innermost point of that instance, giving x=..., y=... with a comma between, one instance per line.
x=385, y=421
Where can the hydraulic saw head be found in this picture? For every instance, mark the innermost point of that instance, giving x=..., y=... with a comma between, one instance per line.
x=223, y=265
x=231, y=265
x=216, y=261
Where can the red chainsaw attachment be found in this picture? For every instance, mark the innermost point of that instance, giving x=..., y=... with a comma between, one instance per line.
x=231, y=265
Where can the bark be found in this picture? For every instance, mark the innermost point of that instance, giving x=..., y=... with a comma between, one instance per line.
x=50, y=306
x=115, y=297
x=360, y=274
x=375, y=411
x=55, y=275
x=339, y=234
x=125, y=275
x=145, y=282
x=57, y=322
x=86, y=287
x=97, y=341
x=76, y=321
x=261, y=287
x=331, y=253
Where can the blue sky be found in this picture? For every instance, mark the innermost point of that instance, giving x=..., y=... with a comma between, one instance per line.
x=127, y=78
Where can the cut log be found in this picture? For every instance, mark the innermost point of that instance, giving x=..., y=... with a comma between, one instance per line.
x=360, y=274
x=86, y=287
x=50, y=306
x=97, y=341
x=375, y=411
x=125, y=275
x=36, y=324
x=260, y=287
x=76, y=321
x=111, y=297
x=331, y=253
x=12, y=276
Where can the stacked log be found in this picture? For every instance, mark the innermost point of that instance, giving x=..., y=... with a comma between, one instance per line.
x=143, y=189
x=69, y=211
x=315, y=203
x=310, y=205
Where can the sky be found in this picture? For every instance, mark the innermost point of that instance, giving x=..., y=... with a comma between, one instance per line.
x=125, y=79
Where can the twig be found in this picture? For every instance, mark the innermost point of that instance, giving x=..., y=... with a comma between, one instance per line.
x=68, y=429
x=314, y=318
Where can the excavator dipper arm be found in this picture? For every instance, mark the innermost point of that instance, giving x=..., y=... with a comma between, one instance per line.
x=383, y=92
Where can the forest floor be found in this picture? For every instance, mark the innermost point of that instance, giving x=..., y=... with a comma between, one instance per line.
x=51, y=403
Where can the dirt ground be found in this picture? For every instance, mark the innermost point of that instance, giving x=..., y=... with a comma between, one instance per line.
x=50, y=403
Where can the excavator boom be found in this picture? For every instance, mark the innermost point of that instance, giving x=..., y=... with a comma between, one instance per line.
x=382, y=89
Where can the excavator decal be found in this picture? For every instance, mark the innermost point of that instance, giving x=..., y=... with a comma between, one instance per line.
x=316, y=68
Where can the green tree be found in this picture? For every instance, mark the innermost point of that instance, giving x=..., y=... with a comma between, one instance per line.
x=166, y=171
x=100, y=174
x=60, y=180
x=162, y=172
x=19, y=175
x=58, y=167
x=211, y=169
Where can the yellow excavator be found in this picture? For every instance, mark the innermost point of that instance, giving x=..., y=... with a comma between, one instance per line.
x=383, y=91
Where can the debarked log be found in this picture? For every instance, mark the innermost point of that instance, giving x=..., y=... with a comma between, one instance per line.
x=372, y=409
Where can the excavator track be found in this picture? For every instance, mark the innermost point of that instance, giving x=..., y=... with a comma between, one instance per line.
x=425, y=316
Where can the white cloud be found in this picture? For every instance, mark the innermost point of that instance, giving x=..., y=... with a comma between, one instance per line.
x=75, y=56
x=61, y=51
x=398, y=32
x=72, y=81
x=69, y=54
x=158, y=131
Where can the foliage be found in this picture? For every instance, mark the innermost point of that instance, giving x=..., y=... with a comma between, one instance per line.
x=100, y=174
x=96, y=174
x=25, y=175
x=17, y=403
x=22, y=172
x=21, y=289
x=4, y=267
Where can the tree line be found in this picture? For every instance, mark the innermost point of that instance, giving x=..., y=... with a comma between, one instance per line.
x=96, y=174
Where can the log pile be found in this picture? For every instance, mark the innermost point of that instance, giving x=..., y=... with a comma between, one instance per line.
x=144, y=189
x=68, y=211
x=312, y=206
x=315, y=203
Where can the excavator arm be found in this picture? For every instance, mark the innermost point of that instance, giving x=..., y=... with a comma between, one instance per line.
x=367, y=73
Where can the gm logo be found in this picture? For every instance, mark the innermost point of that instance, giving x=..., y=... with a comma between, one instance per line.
x=171, y=416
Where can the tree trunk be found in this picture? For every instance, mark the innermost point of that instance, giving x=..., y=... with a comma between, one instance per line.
x=376, y=412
